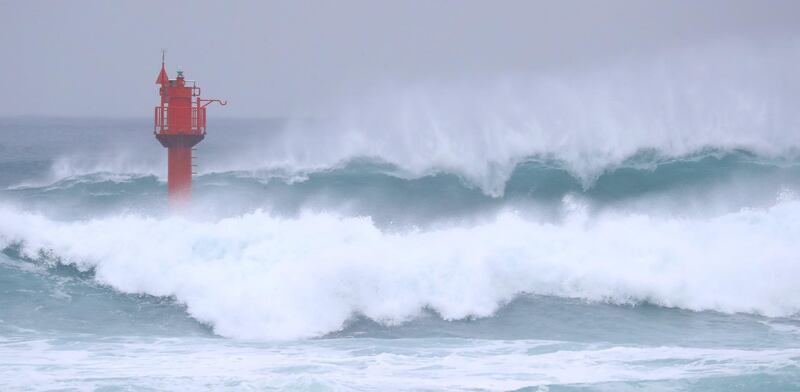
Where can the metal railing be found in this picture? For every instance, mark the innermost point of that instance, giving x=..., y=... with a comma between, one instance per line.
x=161, y=119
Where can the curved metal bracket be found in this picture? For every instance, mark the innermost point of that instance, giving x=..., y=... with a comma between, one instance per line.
x=222, y=102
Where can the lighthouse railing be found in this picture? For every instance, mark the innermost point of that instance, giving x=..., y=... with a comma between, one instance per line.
x=198, y=119
x=160, y=119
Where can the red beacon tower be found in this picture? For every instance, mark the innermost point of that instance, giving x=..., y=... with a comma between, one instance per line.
x=180, y=123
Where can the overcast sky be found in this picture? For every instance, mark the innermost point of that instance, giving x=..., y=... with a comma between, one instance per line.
x=277, y=58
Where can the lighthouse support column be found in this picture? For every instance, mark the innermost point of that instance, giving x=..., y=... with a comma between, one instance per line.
x=179, y=168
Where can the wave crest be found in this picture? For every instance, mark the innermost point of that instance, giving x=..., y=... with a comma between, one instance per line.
x=257, y=276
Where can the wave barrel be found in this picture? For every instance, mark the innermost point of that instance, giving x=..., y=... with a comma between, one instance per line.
x=179, y=124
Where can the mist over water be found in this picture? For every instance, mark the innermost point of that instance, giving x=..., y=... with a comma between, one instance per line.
x=721, y=96
x=632, y=225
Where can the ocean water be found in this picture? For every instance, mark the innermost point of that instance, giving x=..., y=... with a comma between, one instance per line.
x=569, y=239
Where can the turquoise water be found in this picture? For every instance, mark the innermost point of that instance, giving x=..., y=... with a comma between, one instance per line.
x=659, y=270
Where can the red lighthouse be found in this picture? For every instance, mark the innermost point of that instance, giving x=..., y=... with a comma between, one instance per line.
x=180, y=123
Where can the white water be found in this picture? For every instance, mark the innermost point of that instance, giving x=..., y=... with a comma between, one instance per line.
x=677, y=104
x=256, y=276
x=722, y=96
x=403, y=364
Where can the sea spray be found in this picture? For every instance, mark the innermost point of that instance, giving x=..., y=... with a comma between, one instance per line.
x=591, y=121
x=256, y=276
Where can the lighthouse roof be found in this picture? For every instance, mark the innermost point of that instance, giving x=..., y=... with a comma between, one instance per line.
x=162, y=78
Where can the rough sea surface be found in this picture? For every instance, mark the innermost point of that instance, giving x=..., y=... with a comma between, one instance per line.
x=653, y=251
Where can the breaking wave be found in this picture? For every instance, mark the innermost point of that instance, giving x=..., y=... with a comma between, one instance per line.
x=258, y=276
x=677, y=104
x=302, y=241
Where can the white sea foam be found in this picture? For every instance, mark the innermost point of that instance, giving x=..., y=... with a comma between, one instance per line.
x=680, y=103
x=257, y=276
x=366, y=365
x=676, y=103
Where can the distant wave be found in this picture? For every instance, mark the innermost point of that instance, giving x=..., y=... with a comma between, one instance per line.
x=534, y=177
x=589, y=122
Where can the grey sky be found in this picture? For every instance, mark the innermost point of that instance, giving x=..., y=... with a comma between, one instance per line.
x=276, y=58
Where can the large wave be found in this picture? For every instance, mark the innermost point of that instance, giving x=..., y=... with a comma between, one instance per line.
x=686, y=120
x=709, y=183
x=257, y=276
x=677, y=103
